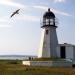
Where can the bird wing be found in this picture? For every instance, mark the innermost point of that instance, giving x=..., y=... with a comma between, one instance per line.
x=13, y=14
x=16, y=12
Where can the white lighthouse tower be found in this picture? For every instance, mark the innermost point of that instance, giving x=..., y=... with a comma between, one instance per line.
x=49, y=39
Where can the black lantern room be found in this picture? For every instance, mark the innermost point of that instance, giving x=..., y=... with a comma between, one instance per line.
x=49, y=19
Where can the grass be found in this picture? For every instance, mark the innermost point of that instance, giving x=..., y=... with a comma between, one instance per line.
x=7, y=67
x=26, y=70
x=10, y=62
x=46, y=59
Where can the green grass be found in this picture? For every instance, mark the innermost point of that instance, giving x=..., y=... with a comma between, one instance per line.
x=10, y=62
x=46, y=59
x=9, y=68
x=26, y=70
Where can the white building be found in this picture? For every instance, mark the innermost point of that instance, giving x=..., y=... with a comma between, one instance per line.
x=49, y=46
x=66, y=51
x=49, y=41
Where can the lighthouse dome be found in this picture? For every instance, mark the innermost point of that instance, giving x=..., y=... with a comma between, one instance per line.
x=49, y=14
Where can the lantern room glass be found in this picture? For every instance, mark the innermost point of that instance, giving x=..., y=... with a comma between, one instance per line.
x=48, y=21
x=51, y=21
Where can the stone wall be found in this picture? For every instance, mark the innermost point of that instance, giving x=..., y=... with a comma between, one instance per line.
x=48, y=63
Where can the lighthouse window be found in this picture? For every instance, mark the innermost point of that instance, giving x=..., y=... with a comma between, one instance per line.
x=46, y=31
x=47, y=21
x=51, y=21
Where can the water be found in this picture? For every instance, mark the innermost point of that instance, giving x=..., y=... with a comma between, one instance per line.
x=15, y=57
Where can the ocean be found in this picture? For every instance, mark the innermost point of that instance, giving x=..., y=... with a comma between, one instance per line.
x=15, y=57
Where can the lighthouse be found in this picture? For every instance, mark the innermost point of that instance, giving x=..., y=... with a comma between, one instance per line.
x=49, y=41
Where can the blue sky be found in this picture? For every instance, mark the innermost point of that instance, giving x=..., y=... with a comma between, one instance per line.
x=21, y=34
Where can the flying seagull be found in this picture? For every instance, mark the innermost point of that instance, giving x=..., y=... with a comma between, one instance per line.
x=16, y=12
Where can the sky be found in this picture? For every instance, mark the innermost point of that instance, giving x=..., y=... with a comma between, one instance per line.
x=21, y=34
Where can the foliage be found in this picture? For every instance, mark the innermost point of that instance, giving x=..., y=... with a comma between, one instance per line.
x=19, y=69
x=10, y=62
x=46, y=59
x=26, y=70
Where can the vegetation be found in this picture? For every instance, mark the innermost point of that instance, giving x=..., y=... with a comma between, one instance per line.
x=25, y=70
x=10, y=62
x=10, y=68
x=46, y=59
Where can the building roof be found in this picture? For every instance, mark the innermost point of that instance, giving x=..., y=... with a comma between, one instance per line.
x=49, y=14
x=66, y=44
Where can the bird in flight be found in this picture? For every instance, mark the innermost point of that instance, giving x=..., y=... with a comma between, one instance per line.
x=16, y=12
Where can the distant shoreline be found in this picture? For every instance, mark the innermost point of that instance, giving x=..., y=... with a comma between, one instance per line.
x=15, y=57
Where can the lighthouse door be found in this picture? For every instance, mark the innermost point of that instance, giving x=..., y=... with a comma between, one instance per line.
x=62, y=52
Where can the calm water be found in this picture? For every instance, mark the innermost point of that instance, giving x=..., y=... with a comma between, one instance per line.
x=15, y=57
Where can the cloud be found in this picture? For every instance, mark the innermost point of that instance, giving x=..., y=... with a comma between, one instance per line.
x=60, y=12
x=59, y=1
x=11, y=3
x=54, y=10
x=28, y=18
x=41, y=7
x=10, y=23
x=5, y=26
x=5, y=22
